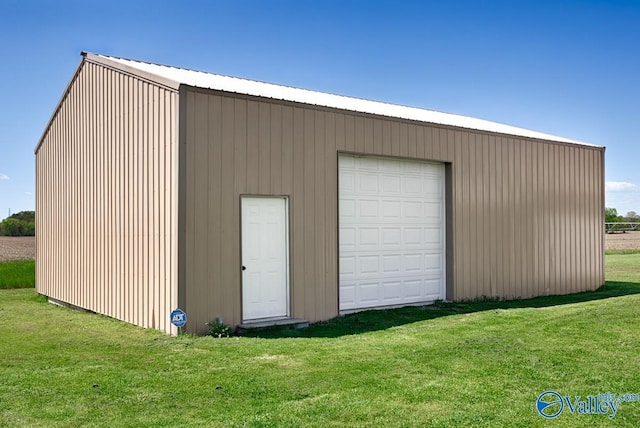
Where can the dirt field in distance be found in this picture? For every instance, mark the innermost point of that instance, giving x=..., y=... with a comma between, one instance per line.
x=24, y=248
x=622, y=241
x=17, y=248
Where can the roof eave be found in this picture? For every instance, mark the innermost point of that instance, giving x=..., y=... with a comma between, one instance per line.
x=141, y=74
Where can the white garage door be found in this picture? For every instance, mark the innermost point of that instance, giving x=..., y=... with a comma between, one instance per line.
x=391, y=215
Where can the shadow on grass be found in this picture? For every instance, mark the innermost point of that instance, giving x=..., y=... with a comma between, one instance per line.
x=374, y=320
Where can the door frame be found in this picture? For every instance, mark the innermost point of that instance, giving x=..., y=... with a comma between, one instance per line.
x=287, y=255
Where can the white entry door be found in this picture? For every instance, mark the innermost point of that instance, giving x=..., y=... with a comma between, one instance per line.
x=264, y=258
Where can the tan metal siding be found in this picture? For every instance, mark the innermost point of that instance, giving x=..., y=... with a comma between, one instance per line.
x=107, y=199
x=526, y=214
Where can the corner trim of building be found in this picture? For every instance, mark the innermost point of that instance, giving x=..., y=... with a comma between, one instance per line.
x=182, y=197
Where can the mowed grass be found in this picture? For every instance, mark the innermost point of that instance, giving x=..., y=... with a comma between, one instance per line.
x=471, y=364
x=17, y=274
x=623, y=265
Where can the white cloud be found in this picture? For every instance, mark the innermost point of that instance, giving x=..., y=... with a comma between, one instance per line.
x=619, y=186
x=623, y=196
x=4, y=176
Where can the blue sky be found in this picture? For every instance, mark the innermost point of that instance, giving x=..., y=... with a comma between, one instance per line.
x=569, y=68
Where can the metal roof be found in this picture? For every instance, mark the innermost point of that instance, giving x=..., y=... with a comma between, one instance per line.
x=268, y=90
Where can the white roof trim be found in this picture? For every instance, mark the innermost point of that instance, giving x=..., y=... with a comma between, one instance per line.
x=251, y=87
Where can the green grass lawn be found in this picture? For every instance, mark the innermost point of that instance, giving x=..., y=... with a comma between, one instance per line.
x=623, y=266
x=472, y=364
x=17, y=274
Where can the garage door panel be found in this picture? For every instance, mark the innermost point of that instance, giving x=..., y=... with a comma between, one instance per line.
x=348, y=163
x=391, y=210
x=347, y=295
x=347, y=211
x=412, y=186
x=366, y=163
x=391, y=232
x=368, y=293
x=412, y=236
x=412, y=210
x=431, y=187
x=432, y=262
x=348, y=238
x=412, y=167
x=368, y=237
x=367, y=209
x=433, y=288
x=432, y=237
x=391, y=291
x=367, y=183
x=391, y=185
x=368, y=265
x=348, y=267
x=391, y=263
x=391, y=236
x=413, y=288
x=433, y=211
x=389, y=165
x=371, y=294
x=413, y=263
x=347, y=183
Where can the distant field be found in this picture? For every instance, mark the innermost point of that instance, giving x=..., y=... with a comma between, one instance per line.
x=622, y=241
x=24, y=248
x=17, y=248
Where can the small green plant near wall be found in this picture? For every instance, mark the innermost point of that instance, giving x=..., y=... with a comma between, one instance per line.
x=218, y=329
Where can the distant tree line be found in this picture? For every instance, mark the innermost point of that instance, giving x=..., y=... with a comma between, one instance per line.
x=19, y=224
x=611, y=216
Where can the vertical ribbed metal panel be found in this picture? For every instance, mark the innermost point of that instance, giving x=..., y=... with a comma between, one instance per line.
x=526, y=221
x=107, y=198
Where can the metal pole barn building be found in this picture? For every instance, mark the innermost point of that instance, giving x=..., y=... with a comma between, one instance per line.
x=160, y=187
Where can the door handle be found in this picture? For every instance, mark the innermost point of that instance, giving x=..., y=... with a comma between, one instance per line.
x=244, y=268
